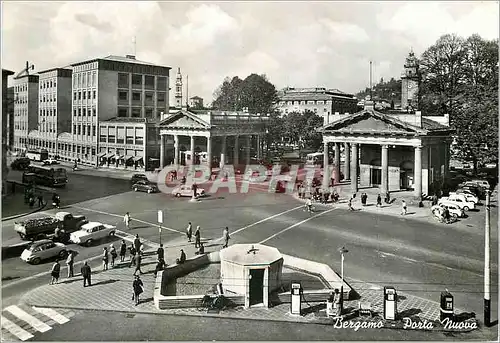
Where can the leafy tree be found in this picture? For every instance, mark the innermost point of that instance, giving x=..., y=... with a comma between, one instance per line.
x=227, y=96
x=300, y=129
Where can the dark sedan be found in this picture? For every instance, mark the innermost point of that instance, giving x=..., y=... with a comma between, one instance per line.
x=145, y=186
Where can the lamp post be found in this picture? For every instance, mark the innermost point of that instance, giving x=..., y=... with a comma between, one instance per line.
x=342, y=252
x=487, y=299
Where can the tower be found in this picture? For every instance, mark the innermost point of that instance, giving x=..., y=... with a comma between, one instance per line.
x=178, y=89
x=410, y=78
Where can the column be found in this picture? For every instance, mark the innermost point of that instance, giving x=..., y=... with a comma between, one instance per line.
x=259, y=147
x=192, y=149
x=236, y=152
x=222, y=161
x=176, y=149
x=326, y=177
x=384, y=187
x=446, y=160
x=354, y=168
x=248, y=149
x=417, y=172
x=209, y=152
x=347, y=162
x=162, y=151
x=337, y=163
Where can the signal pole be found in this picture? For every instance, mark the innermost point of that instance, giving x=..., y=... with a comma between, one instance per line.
x=487, y=295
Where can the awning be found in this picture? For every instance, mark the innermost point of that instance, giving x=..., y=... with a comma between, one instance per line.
x=111, y=156
x=128, y=157
x=108, y=155
x=119, y=157
x=137, y=158
x=101, y=154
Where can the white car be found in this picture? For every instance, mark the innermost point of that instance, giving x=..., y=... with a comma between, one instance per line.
x=187, y=191
x=460, y=201
x=43, y=250
x=92, y=231
x=455, y=211
x=468, y=196
x=482, y=183
x=50, y=161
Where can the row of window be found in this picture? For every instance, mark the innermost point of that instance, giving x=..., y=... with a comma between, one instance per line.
x=21, y=100
x=138, y=80
x=48, y=111
x=48, y=84
x=303, y=102
x=84, y=130
x=48, y=127
x=121, y=140
x=21, y=88
x=136, y=112
x=85, y=79
x=51, y=97
x=83, y=112
x=137, y=96
x=79, y=95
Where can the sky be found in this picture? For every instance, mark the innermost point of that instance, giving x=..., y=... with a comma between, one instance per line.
x=296, y=44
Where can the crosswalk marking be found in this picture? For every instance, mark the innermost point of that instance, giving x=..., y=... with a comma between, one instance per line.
x=28, y=318
x=54, y=315
x=17, y=331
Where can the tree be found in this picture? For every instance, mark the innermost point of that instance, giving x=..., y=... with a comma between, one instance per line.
x=255, y=92
x=300, y=129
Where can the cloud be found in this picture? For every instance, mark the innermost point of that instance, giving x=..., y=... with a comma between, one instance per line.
x=92, y=21
x=345, y=32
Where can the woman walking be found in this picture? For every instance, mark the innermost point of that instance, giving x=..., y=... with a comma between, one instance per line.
x=113, y=253
x=138, y=288
x=55, y=272
x=123, y=250
x=105, y=259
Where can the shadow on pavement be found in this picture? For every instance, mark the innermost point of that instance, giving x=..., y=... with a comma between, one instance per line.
x=409, y=312
x=104, y=282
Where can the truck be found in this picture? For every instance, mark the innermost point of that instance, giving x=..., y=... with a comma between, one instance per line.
x=41, y=228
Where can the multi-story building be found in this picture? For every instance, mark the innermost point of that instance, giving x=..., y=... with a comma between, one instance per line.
x=196, y=102
x=113, y=87
x=54, y=110
x=25, y=111
x=10, y=117
x=5, y=113
x=321, y=101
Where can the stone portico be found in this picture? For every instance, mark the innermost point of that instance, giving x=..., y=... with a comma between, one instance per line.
x=200, y=137
x=393, y=151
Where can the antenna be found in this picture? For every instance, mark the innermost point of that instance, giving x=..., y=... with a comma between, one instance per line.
x=371, y=96
x=135, y=45
x=187, y=91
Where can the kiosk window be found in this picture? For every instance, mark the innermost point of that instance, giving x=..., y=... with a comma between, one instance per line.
x=390, y=297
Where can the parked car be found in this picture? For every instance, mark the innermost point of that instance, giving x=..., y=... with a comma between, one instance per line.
x=482, y=183
x=138, y=177
x=91, y=232
x=468, y=196
x=460, y=201
x=144, y=186
x=43, y=250
x=454, y=209
x=187, y=191
x=474, y=188
x=50, y=161
x=20, y=163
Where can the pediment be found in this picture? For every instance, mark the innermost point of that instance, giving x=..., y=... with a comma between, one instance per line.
x=184, y=120
x=370, y=123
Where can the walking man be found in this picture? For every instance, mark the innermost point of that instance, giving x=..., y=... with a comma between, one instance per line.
x=138, y=288
x=69, y=262
x=55, y=272
x=403, y=207
x=86, y=273
x=113, y=254
x=161, y=252
x=182, y=258
x=137, y=243
x=138, y=263
x=225, y=234
x=132, y=256
x=197, y=237
x=123, y=250
x=105, y=258
x=349, y=205
x=379, y=201
x=195, y=188
x=189, y=231
x=126, y=220
x=40, y=200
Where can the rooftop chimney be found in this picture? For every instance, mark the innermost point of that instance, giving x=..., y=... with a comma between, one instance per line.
x=130, y=57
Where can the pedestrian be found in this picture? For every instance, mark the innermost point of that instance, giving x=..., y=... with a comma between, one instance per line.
x=55, y=272
x=387, y=198
x=114, y=255
x=40, y=200
x=364, y=197
x=133, y=252
x=197, y=237
x=201, y=250
x=137, y=243
x=225, y=234
x=434, y=200
x=189, y=231
x=349, y=204
x=160, y=252
x=86, y=273
x=105, y=258
x=70, y=262
x=379, y=201
x=159, y=265
x=138, y=263
x=138, y=288
x=195, y=188
x=337, y=303
x=32, y=201
x=126, y=220
x=123, y=250
x=403, y=207
x=182, y=258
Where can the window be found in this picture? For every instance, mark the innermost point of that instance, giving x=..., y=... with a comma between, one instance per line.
x=80, y=95
x=93, y=112
x=84, y=112
x=139, y=140
x=136, y=96
x=102, y=138
x=79, y=129
x=123, y=80
x=74, y=81
x=120, y=137
x=93, y=94
x=122, y=95
x=161, y=96
x=85, y=80
x=88, y=94
x=122, y=112
x=136, y=80
x=84, y=95
x=79, y=80
x=148, y=98
x=74, y=96
x=79, y=112
x=161, y=83
x=149, y=82
x=149, y=113
x=74, y=129
x=83, y=130
x=93, y=130
x=136, y=112
x=111, y=136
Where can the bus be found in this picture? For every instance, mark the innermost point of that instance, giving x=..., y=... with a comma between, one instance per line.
x=47, y=176
x=37, y=155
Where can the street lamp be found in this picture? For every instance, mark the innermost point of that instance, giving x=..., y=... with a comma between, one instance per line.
x=342, y=252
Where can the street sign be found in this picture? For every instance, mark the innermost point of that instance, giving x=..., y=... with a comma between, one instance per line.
x=160, y=216
x=159, y=229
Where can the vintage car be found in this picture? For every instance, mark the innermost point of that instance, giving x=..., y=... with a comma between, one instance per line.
x=43, y=250
x=187, y=191
x=91, y=232
x=468, y=196
x=145, y=186
x=457, y=201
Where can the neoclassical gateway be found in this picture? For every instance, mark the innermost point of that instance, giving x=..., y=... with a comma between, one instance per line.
x=198, y=137
x=393, y=150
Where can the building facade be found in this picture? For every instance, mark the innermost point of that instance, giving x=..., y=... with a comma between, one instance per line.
x=5, y=114
x=25, y=111
x=321, y=101
x=196, y=102
x=178, y=89
x=10, y=117
x=410, y=81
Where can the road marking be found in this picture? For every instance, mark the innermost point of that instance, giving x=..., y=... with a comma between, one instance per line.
x=297, y=224
x=129, y=237
x=17, y=331
x=52, y=314
x=28, y=318
x=133, y=219
x=267, y=218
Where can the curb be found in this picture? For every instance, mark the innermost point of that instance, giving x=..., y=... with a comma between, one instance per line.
x=24, y=214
